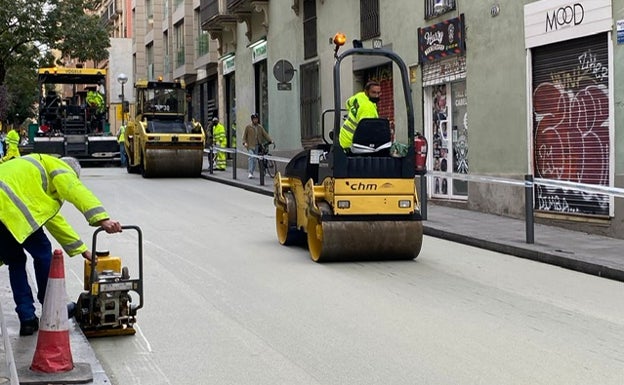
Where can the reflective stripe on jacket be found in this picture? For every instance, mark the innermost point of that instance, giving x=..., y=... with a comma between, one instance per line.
x=32, y=191
x=359, y=106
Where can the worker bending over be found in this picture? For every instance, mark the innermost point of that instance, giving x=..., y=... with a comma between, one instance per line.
x=32, y=191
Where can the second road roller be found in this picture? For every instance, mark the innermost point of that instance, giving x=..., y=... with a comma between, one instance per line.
x=161, y=141
x=360, y=204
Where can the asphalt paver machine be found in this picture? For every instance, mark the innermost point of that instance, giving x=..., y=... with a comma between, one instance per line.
x=105, y=308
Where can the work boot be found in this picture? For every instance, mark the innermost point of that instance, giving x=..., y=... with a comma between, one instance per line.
x=27, y=328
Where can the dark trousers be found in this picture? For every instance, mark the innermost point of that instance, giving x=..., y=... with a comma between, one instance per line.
x=12, y=254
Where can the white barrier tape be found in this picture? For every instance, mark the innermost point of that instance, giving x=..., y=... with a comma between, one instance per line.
x=214, y=149
x=477, y=178
x=615, y=191
x=583, y=187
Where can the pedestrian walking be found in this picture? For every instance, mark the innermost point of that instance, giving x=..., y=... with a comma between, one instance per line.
x=12, y=142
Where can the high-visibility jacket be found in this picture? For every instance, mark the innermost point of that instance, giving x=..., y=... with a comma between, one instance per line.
x=32, y=191
x=95, y=100
x=121, y=136
x=359, y=106
x=218, y=135
x=219, y=138
x=12, y=140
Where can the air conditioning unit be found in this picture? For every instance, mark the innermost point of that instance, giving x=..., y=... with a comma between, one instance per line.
x=439, y=6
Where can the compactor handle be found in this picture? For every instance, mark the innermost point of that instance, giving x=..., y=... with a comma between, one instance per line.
x=140, y=255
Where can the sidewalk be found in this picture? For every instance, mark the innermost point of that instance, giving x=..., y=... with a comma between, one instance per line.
x=586, y=253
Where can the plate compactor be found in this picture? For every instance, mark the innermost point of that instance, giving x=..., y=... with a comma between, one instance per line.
x=105, y=308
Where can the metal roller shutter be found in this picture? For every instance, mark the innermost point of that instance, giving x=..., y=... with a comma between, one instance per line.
x=571, y=123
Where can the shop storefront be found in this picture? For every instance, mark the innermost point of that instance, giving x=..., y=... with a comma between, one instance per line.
x=569, y=46
x=441, y=53
x=229, y=86
x=259, y=61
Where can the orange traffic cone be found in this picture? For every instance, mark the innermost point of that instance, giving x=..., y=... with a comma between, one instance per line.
x=53, y=352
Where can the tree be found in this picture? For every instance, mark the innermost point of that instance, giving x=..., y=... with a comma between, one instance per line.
x=30, y=29
x=34, y=27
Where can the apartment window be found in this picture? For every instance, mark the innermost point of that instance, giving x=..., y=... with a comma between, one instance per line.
x=166, y=54
x=166, y=10
x=202, y=36
x=149, y=12
x=149, y=52
x=435, y=8
x=369, y=19
x=179, y=44
x=309, y=29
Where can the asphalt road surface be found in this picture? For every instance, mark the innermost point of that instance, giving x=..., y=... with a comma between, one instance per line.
x=226, y=304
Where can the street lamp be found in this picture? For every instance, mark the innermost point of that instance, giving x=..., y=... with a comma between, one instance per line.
x=122, y=79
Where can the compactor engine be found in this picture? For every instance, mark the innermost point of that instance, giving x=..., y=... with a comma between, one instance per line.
x=105, y=308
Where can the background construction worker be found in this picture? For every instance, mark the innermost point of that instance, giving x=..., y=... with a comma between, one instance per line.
x=219, y=139
x=254, y=136
x=121, y=139
x=32, y=191
x=361, y=105
x=12, y=140
x=95, y=100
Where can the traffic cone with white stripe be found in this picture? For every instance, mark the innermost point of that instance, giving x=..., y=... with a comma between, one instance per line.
x=53, y=352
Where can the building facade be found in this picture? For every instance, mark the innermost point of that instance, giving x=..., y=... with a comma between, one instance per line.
x=169, y=43
x=503, y=90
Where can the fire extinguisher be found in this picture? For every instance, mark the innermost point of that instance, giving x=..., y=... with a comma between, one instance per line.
x=420, y=147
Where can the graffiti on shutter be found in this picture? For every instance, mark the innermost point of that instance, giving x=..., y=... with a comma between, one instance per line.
x=571, y=123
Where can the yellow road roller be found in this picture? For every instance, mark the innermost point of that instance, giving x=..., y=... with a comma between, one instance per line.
x=355, y=204
x=160, y=142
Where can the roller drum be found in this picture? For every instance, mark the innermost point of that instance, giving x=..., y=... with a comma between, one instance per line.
x=172, y=163
x=364, y=240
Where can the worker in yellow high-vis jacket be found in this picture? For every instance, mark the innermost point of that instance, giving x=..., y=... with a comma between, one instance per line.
x=219, y=139
x=12, y=141
x=359, y=106
x=32, y=191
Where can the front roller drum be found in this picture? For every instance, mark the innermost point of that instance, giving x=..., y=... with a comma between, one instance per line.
x=172, y=163
x=335, y=241
x=286, y=222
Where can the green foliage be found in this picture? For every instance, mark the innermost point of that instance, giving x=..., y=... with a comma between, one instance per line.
x=29, y=30
x=80, y=35
x=22, y=88
x=4, y=103
x=34, y=27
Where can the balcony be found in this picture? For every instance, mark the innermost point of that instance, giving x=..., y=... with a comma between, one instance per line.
x=110, y=13
x=243, y=8
x=239, y=5
x=214, y=14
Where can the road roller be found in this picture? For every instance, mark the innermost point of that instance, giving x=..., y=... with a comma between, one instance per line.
x=160, y=142
x=106, y=307
x=355, y=204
